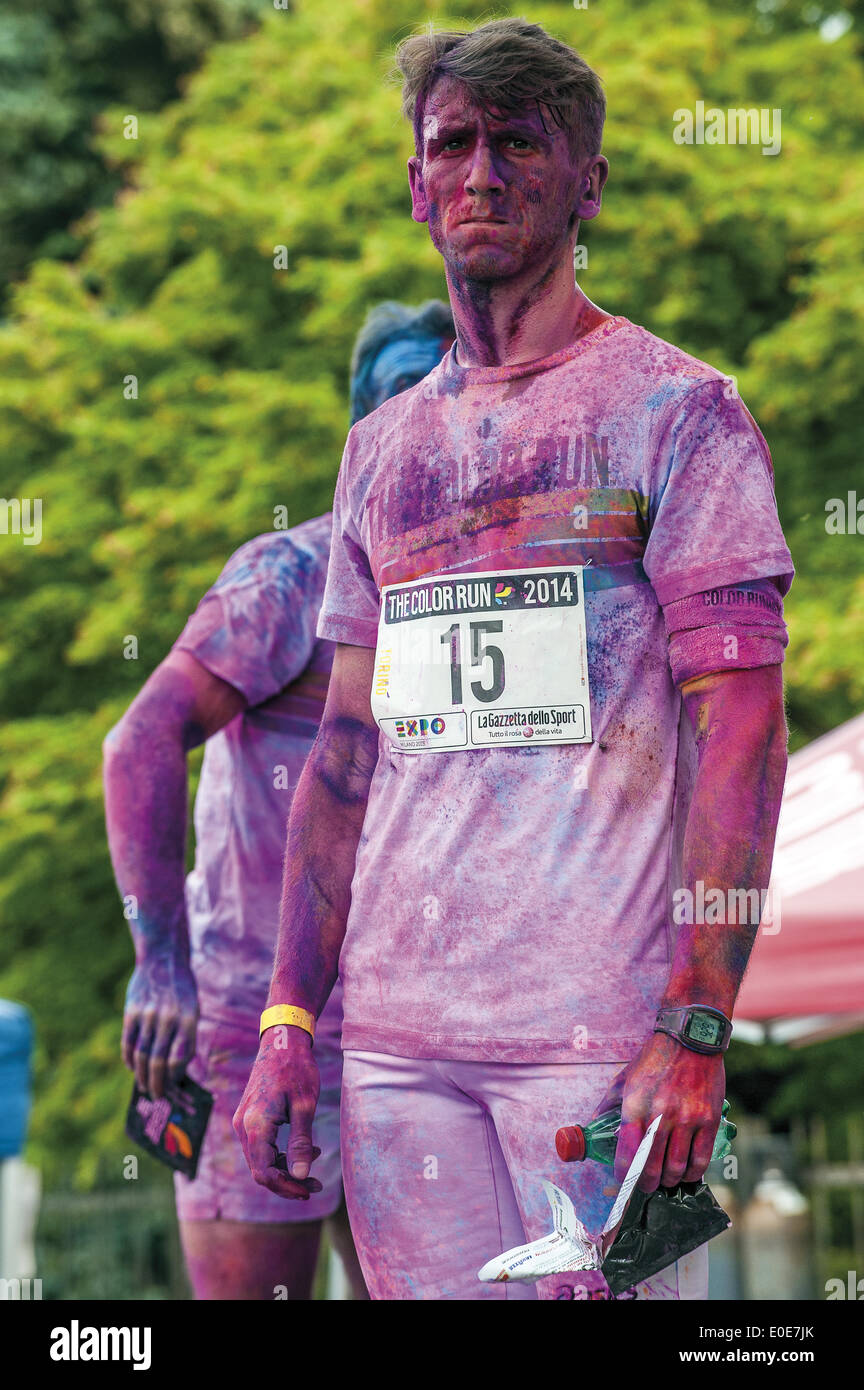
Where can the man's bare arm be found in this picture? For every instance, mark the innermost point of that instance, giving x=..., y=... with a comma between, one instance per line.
x=741, y=737
x=324, y=830
x=146, y=790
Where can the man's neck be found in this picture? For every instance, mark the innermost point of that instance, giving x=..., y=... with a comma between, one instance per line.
x=503, y=323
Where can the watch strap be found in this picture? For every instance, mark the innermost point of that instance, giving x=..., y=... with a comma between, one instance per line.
x=674, y=1021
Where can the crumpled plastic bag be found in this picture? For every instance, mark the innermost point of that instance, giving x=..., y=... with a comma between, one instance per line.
x=659, y=1228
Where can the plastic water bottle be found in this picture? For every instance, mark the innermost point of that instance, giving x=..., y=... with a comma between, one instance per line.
x=599, y=1139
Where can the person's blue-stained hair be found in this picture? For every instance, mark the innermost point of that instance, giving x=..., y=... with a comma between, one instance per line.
x=387, y=323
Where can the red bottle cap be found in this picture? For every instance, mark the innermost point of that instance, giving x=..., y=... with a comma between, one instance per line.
x=570, y=1143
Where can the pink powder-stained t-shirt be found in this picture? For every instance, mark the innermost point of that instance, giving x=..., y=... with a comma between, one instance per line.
x=513, y=903
x=255, y=628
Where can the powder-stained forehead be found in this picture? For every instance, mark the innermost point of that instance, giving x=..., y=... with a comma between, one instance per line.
x=446, y=98
x=450, y=98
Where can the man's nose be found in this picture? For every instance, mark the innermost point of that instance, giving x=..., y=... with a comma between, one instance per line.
x=483, y=176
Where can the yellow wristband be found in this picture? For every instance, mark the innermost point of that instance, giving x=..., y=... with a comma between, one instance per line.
x=287, y=1013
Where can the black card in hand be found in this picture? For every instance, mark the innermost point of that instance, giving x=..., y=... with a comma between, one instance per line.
x=171, y=1128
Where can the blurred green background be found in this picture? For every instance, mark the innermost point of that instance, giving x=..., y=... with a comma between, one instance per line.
x=168, y=377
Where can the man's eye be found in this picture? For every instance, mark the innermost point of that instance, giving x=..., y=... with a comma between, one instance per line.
x=457, y=140
x=519, y=142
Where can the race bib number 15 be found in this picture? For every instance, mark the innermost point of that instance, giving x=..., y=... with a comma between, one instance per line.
x=480, y=660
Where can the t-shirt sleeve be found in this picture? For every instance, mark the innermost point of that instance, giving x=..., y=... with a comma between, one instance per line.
x=255, y=628
x=734, y=627
x=351, y=604
x=714, y=512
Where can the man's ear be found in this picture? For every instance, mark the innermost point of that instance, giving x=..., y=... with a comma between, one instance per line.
x=419, y=205
x=591, y=188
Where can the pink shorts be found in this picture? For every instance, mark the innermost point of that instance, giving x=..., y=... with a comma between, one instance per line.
x=223, y=1186
x=442, y=1165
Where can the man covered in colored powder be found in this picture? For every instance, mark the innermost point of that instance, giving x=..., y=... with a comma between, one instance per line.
x=249, y=676
x=564, y=545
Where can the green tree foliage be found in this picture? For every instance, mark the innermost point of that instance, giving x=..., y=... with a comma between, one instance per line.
x=187, y=377
x=61, y=63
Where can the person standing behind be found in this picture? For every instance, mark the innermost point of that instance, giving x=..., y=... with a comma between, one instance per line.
x=248, y=676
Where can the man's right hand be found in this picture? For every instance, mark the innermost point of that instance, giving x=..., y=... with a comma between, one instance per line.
x=284, y=1085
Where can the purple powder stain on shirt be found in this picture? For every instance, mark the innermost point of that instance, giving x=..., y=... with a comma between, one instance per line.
x=499, y=898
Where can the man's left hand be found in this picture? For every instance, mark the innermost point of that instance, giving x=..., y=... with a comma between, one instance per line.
x=687, y=1088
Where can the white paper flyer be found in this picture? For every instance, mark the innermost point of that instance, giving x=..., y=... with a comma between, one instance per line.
x=569, y=1246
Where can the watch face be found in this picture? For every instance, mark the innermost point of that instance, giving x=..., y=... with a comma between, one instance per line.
x=705, y=1028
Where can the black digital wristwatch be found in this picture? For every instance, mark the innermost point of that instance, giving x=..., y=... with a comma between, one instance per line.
x=696, y=1026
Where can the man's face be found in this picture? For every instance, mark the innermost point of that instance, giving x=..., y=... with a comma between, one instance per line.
x=500, y=193
x=403, y=363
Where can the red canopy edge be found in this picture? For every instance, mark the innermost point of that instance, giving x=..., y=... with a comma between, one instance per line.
x=810, y=960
